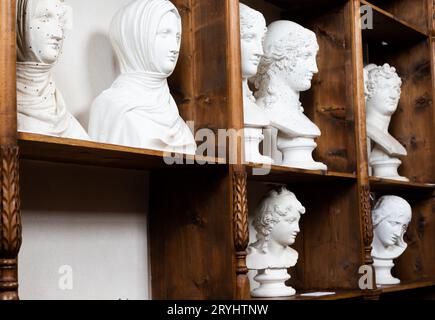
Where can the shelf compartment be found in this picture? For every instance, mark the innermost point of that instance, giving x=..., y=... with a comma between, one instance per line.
x=62, y=150
x=280, y=174
x=413, y=12
x=329, y=243
x=387, y=185
x=389, y=29
x=330, y=101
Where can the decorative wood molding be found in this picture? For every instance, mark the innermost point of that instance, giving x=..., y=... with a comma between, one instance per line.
x=367, y=223
x=241, y=231
x=433, y=19
x=10, y=222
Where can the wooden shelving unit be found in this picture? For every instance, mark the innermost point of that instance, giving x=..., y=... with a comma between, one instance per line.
x=199, y=214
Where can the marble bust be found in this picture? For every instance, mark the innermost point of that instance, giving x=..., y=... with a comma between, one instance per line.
x=40, y=34
x=391, y=217
x=252, y=32
x=286, y=69
x=382, y=91
x=277, y=225
x=138, y=110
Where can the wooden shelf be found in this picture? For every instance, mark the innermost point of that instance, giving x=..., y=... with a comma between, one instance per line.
x=281, y=174
x=378, y=184
x=407, y=286
x=62, y=150
x=339, y=295
x=389, y=29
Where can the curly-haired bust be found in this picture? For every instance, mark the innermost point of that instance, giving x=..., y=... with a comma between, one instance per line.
x=286, y=69
x=277, y=225
x=382, y=92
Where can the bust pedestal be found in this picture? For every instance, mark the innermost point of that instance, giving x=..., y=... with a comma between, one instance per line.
x=384, y=166
x=383, y=272
x=253, y=138
x=272, y=284
x=298, y=153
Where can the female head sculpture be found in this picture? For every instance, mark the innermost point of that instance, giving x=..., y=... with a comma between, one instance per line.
x=138, y=110
x=391, y=217
x=290, y=52
x=252, y=32
x=40, y=34
x=277, y=225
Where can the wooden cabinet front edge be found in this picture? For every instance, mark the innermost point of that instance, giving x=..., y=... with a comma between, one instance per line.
x=10, y=218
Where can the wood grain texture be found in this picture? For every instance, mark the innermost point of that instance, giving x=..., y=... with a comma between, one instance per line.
x=191, y=243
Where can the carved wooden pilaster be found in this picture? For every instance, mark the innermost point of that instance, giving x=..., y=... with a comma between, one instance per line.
x=10, y=222
x=367, y=223
x=433, y=19
x=241, y=232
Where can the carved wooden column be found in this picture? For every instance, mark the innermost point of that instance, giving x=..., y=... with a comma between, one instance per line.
x=361, y=137
x=241, y=233
x=10, y=219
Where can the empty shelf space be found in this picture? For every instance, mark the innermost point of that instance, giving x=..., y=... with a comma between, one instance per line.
x=382, y=185
x=390, y=30
x=407, y=286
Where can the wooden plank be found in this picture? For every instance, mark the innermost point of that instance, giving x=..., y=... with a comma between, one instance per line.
x=404, y=286
x=64, y=150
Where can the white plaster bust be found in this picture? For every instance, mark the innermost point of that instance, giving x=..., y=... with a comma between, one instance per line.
x=286, y=69
x=252, y=32
x=277, y=225
x=138, y=110
x=40, y=34
x=382, y=91
x=391, y=217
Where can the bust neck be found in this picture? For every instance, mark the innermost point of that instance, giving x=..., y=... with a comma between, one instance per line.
x=285, y=94
x=381, y=252
x=378, y=120
x=247, y=93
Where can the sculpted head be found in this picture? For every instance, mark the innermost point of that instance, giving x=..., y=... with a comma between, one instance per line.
x=252, y=32
x=40, y=29
x=391, y=217
x=382, y=88
x=290, y=52
x=277, y=219
x=146, y=37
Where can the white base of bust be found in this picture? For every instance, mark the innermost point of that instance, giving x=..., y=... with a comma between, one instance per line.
x=383, y=272
x=387, y=169
x=253, y=138
x=272, y=284
x=298, y=153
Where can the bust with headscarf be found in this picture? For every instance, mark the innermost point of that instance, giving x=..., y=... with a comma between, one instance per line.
x=40, y=33
x=138, y=109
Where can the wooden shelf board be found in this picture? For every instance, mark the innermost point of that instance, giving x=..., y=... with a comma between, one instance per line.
x=378, y=184
x=409, y=285
x=390, y=29
x=339, y=295
x=306, y=5
x=293, y=175
x=63, y=150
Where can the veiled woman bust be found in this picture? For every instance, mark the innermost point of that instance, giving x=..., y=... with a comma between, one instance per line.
x=41, y=25
x=382, y=91
x=138, y=109
x=391, y=217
